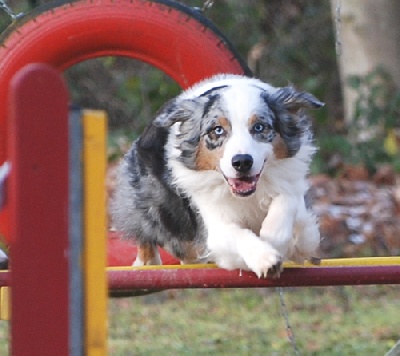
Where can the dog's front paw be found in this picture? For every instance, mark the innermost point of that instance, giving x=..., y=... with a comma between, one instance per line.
x=261, y=259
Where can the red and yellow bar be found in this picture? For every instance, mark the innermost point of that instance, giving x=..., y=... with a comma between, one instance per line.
x=331, y=272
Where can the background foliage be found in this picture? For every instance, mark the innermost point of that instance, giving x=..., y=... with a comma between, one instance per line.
x=278, y=38
x=284, y=42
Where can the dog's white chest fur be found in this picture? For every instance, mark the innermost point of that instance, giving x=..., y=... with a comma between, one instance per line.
x=287, y=231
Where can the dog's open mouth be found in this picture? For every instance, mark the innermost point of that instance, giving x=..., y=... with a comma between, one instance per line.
x=243, y=186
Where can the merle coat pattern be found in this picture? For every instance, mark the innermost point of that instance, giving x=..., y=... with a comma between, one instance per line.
x=220, y=175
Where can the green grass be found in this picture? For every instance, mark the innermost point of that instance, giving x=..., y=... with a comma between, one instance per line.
x=326, y=321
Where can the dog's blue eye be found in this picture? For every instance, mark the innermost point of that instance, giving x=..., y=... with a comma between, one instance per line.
x=258, y=128
x=219, y=130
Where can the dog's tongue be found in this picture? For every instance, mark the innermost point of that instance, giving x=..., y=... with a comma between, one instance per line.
x=243, y=186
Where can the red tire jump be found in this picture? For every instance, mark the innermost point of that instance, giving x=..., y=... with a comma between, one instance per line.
x=172, y=37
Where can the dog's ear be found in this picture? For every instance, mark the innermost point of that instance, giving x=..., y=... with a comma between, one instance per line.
x=291, y=123
x=176, y=110
x=293, y=100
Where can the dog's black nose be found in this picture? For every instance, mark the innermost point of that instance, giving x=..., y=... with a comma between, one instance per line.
x=242, y=163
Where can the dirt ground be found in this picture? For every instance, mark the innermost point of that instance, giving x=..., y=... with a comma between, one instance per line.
x=358, y=215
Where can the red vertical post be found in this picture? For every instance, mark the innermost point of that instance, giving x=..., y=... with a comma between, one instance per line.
x=38, y=138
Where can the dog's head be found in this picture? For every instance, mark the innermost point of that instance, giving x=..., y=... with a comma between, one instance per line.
x=235, y=126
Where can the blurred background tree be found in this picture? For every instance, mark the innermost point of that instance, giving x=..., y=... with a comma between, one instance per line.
x=369, y=38
x=369, y=46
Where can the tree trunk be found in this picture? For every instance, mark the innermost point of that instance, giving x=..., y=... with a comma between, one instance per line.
x=368, y=35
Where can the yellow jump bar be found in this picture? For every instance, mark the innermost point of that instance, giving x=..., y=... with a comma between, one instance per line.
x=333, y=262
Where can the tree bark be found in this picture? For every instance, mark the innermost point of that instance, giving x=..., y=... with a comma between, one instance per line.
x=368, y=35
